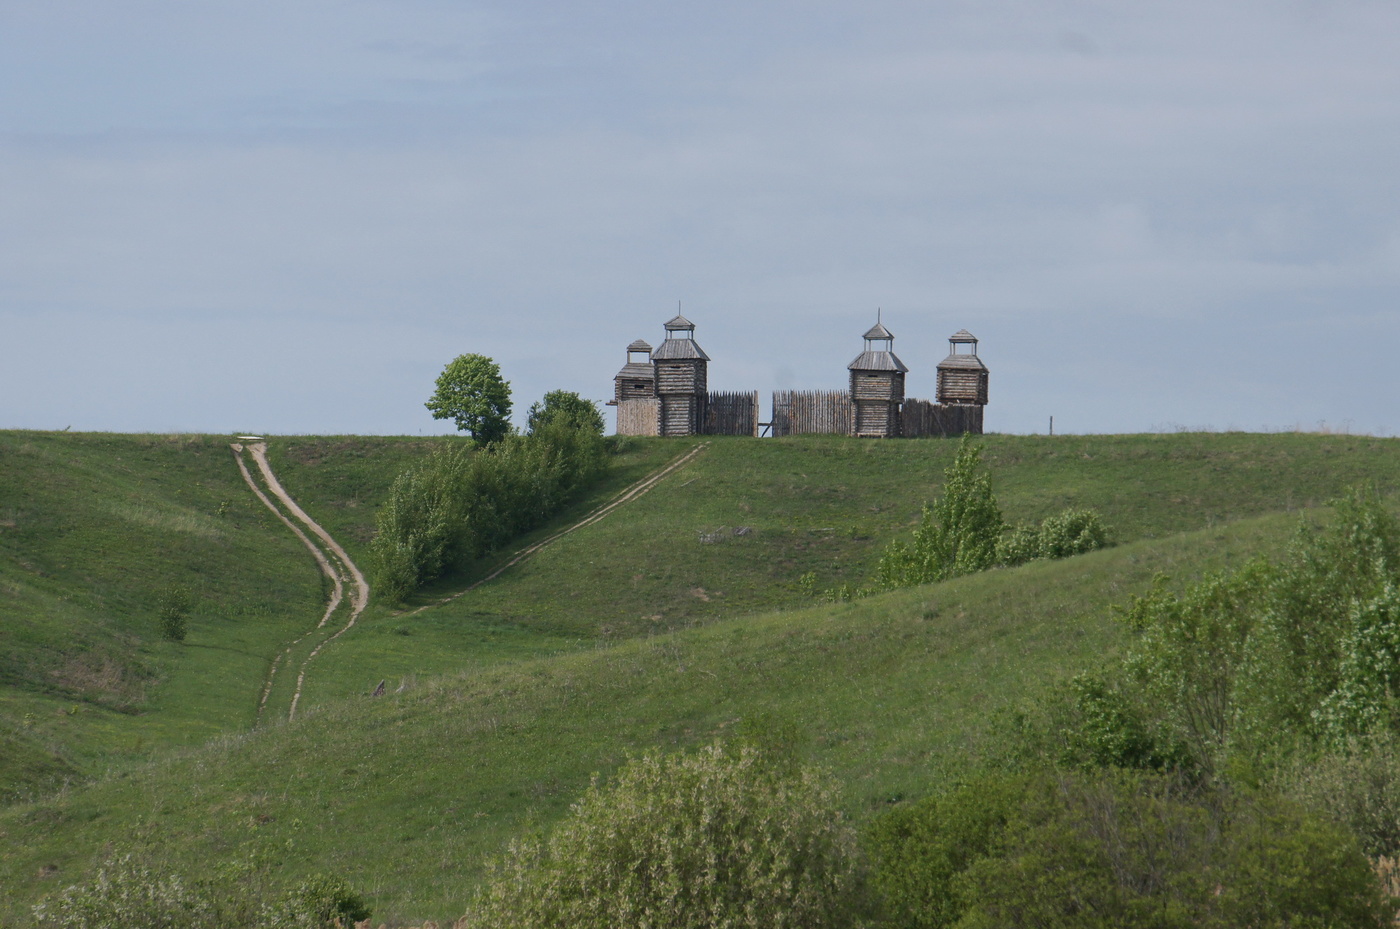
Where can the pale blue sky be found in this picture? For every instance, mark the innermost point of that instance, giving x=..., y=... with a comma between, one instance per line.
x=287, y=217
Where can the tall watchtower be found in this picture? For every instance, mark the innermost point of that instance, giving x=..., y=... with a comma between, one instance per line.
x=681, y=379
x=637, y=379
x=877, y=385
x=962, y=377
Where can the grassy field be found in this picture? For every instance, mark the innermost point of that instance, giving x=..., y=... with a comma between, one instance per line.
x=676, y=618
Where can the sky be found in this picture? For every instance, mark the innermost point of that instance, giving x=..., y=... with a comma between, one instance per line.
x=288, y=217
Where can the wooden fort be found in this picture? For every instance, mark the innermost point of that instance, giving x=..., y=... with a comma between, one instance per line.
x=665, y=392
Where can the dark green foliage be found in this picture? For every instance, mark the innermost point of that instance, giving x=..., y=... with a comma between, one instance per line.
x=1356, y=785
x=471, y=392
x=922, y=850
x=958, y=534
x=1123, y=849
x=129, y=894
x=464, y=503
x=320, y=902
x=173, y=612
x=1251, y=664
x=1073, y=532
x=564, y=407
x=717, y=838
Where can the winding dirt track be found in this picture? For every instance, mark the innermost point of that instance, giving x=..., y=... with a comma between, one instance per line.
x=330, y=557
x=336, y=565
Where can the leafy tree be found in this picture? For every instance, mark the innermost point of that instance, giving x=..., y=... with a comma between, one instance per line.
x=959, y=532
x=717, y=838
x=471, y=393
x=564, y=407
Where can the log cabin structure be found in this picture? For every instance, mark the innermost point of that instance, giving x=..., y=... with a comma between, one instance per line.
x=681, y=380
x=962, y=377
x=877, y=386
x=637, y=379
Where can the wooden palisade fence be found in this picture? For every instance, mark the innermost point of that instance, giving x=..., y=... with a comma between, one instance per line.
x=812, y=412
x=729, y=413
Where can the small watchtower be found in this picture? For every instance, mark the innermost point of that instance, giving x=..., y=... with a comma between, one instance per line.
x=681, y=379
x=637, y=379
x=962, y=377
x=877, y=386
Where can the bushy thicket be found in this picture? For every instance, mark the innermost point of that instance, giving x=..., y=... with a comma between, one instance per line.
x=129, y=893
x=1237, y=768
x=963, y=531
x=464, y=502
x=722, y=837
x=1115, y=848
x=1300, y=654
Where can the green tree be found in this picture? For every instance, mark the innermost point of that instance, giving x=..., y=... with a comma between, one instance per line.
x=564, y=407
x=717, y=838
x=472, y=393
x=959, y=532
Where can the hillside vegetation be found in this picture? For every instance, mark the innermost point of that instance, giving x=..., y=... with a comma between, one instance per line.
x=677, y=618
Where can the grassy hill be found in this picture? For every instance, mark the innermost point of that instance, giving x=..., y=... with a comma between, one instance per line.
x=660, y=625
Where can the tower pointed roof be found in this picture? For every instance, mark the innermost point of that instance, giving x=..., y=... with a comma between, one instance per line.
x=679, y=322
x=873, y=359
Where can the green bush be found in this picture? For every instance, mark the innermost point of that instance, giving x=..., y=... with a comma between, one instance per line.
x=128, y=894
x=922, y=850
x=464, y=503
x=958, y=533
x=320, y=902
x=1256, y=664
x=1073, y=532
x=564, y=407
x=717, y=838
x=1357, y=786
x=173, y=613
x=1126, y=849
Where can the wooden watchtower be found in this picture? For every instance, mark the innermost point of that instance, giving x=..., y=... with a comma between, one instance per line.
x=681, y=379
x=877, y=386
x=962, y=377
x=637, y=379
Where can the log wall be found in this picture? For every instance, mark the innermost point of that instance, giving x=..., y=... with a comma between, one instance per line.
x=638, y=417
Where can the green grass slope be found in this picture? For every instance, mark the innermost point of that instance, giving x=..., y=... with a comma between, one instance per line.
x=732, y=533
x=662, y=624
x=407, y=794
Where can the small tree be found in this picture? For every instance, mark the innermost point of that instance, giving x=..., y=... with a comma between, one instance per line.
x=718, y=838
x=564, y=407
x=959, y=532
x=471, y=393
x=174, y=612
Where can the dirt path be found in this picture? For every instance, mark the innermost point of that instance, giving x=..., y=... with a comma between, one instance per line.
x=627, y=496
x=336, y=565
x=330, y=557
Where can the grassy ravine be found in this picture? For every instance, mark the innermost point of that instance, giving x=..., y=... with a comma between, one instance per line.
x=653, y=627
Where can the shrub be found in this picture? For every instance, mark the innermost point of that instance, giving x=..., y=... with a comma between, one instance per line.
x=1126, y=849
x=464, y=503
x=1357, y=786
x=321, y=902
x=564, y=407
x=173, y=612
x=958, y=533
x=922, y=850
x=1073, y=532
x=717, y=838
x=127, y=894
